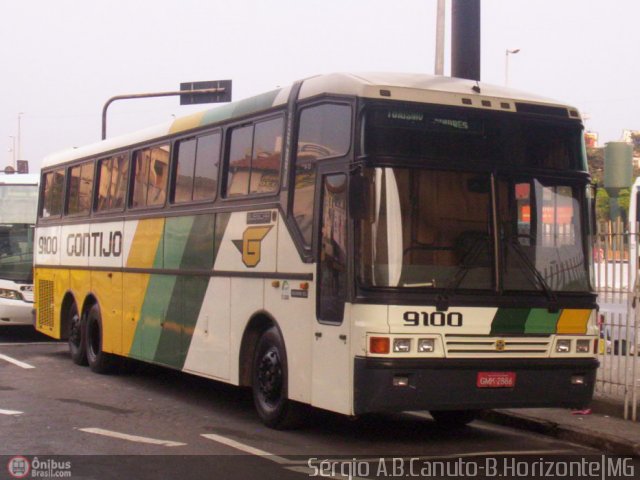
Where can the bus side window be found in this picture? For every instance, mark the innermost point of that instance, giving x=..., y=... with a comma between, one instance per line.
x=151, y=170
x=325, y=132
x=80, y=189
x=197, y=161
x=332, y=275
x=53, y=190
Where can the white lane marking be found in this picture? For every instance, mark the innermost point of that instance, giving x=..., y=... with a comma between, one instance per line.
x=131, y=438
x=10, y=412
x=15, y=362
x=246, y=448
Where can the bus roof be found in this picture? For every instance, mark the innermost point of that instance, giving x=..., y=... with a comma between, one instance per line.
x=20, y=179
x=421, y=88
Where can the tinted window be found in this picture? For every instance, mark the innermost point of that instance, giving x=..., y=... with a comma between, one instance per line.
x=150, y=176
x=53, y=189
x=265, y=162
x=325, y=131
x=112, y=182
x=205, y=183
x=255, y=158
x=240, y=161
x=186, y=160
x=80, y=189
x=197, y=168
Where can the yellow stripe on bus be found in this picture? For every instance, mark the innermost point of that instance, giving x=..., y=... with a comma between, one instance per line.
x=145, y=243
x=573, y=321
x=186, y=123
x=142, y=255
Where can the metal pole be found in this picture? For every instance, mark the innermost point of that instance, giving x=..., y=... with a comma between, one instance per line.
x=150, y=95
x=13, y=150
x=508, y=52
x=439, y=68
x=19, y=154
x=465, y=39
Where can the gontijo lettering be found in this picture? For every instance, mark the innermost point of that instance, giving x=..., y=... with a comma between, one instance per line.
x=95, y=244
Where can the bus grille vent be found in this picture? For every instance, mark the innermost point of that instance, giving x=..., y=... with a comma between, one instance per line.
x=493, y=346
x=45, y=304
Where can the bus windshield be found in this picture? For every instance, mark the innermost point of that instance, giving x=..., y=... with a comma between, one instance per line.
x=17, y=220
x=434, y=229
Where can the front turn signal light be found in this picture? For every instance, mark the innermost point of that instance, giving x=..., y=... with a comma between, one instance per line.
x=379, y=345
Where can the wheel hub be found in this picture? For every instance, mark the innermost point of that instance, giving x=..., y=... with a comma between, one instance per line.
x=270, y=375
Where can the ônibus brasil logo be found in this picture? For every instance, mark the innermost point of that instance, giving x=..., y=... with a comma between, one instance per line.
x=19, y=467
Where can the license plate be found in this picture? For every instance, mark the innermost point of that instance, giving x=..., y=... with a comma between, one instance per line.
x=496, y=380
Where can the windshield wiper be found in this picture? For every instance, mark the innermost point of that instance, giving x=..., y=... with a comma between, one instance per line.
x=469, y=261
x=551, y=296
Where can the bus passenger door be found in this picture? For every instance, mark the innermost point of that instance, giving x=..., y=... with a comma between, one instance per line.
x=331, y=371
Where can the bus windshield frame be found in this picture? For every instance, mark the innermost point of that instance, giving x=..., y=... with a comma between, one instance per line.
x=482, y=224
x=17, y=223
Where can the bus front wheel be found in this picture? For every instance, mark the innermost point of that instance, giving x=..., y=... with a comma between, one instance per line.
x=99, y=361
x=269, y=384
x=77, y=334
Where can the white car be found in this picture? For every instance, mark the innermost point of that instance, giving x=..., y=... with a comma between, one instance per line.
x=16, y=303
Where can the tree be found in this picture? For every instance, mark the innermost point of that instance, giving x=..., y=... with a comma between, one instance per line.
x=602, y=205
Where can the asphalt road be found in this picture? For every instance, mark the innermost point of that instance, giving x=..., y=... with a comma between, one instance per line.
x=155, y=423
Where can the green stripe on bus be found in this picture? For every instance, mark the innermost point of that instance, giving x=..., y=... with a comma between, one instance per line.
x=508, y=321
x=198, y=250
x=192, y=244
x=152, y=316
x=177, y=231
x=240, y=108
x=541, y=321
x=180, y=322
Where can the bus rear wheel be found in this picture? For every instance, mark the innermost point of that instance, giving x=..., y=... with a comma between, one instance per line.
x=99, y=361
x=454, y=418
x=77, y=334
x=269, y=384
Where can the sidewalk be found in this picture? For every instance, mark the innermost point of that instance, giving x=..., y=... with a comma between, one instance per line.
x=598, y=429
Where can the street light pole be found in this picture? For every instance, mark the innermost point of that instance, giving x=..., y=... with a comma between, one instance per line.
x=506, y=64
x=19, y=156
x=439, y=67
x=13, y=150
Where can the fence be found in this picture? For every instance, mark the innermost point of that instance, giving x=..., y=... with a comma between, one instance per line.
x=615, y=268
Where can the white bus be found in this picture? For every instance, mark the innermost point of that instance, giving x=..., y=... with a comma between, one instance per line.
x=356, y=243
x=18, y=207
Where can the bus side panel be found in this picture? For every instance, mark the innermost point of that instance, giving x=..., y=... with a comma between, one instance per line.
x=47, y=253
x=108, y=289
x=294, y=309
x=247, y=298
x=51, y=286
x=132, y=298
x=209, y=349
x=143, y=248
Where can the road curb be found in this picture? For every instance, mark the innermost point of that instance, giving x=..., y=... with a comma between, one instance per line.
x=608, y=443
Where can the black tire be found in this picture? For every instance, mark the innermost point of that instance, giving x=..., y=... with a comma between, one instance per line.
x=454, y=418
x=99, y=361
x=77, y=334
x=269, y=384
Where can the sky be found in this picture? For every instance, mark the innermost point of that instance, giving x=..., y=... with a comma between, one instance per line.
x=63, y=59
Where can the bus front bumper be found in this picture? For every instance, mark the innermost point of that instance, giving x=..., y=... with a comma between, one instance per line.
x=452, y=384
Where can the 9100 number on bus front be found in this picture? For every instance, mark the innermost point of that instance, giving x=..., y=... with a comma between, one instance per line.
x=432, y=319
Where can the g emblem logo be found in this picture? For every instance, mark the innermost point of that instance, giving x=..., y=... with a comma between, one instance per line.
x=500, y=345
x=250, y=245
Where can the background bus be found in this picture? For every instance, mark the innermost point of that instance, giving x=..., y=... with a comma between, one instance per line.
x=18, y=207
x=358, y=243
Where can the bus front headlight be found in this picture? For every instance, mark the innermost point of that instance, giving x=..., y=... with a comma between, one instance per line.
x=10, y=294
